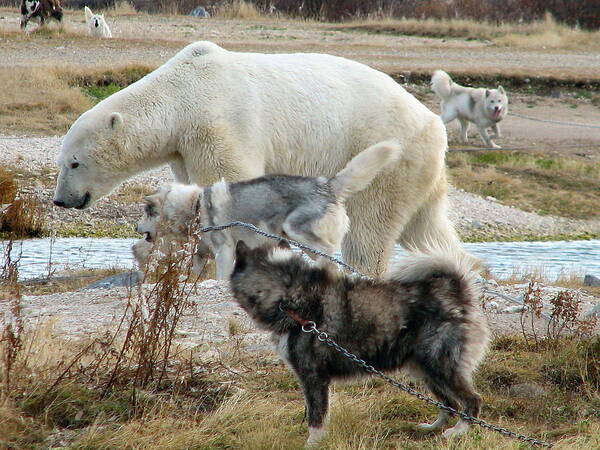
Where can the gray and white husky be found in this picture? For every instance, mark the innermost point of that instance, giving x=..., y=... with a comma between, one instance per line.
x=309, y=210
x=484, y=107
x=423, y=316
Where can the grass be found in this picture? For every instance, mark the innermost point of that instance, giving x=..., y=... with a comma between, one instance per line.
x=27, y=109
x=140, y=389
x=557, y=185
x=38, y=101
x=545, y=33
x=248, y=401
x=20, y=215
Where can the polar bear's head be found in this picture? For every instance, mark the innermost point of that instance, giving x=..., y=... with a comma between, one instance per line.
x=92, y=159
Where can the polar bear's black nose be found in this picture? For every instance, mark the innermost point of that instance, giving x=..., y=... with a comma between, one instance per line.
x=59, y=203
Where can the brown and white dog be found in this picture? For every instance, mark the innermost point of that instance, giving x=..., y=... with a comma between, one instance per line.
x=41, y=9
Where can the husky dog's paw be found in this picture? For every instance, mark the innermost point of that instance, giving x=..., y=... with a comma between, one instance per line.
x=428, y=426
x=460, y=428
x=494, y=145
x=435, y=425
x=314, y=436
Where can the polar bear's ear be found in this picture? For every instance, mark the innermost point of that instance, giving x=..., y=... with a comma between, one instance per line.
x=115, y=120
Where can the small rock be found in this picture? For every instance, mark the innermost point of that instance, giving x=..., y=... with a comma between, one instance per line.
x=492, y=305
x=200, y=11
x=118, y=280
x=595, y=311
x=491, y=199
x=492, y=282
x=514, y=309
x=591, y=280
x=476, y=224
x=527, y=390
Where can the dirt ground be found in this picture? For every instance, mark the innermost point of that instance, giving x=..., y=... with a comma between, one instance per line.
x=151, y=40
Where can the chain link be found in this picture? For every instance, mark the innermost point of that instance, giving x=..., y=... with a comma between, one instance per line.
x=322, y=336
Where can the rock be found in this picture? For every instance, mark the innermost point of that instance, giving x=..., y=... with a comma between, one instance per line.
x=492, y=282
x=118, y=280
x=492, y=305
x=527, y=390
x=591, y=280
x=595, y=311
x=200, y=11
x=491, y=199
x=476, y=224
x=514, y=309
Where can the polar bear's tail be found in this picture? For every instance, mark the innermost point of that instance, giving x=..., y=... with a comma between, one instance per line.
x=441, y=84
x=361, y=169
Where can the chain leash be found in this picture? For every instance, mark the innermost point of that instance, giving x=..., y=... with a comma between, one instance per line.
x=311, y=328
x=322, y=336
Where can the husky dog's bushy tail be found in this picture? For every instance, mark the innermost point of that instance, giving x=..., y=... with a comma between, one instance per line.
x=365, y=166
x=441, y=84
x=435, y=261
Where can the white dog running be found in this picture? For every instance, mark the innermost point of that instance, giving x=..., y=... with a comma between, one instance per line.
x=97, y=26
x=484, y=107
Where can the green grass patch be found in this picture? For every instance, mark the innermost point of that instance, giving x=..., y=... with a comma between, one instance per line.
x=99, y=93
x=97, y=230
x=557, y=185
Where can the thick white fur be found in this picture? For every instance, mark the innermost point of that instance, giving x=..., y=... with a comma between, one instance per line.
x=471, y=105
x=213, y=113
x=97, y=26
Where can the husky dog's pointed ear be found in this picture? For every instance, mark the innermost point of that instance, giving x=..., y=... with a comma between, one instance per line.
x=88, y=14
x=241, y=252
x=115, y=120
x=283, y=244
x=501, y=90
x=487, y=93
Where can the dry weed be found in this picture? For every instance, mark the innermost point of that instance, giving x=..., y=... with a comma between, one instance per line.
x=38, y=101
x=546, y=33
x=238, y=9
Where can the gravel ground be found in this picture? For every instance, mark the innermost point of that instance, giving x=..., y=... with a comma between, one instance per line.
x=473, y=216
x=207, y=322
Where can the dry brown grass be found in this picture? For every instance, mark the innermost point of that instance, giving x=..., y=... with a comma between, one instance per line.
x=25, y=217
x=8, y=186
x=546, y=33
x=121, y=8
x=20, y=215
x=563, y=186
x=38, y=101
x=238, y=9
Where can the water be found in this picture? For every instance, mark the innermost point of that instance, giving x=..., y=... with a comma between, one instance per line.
x=504, y=258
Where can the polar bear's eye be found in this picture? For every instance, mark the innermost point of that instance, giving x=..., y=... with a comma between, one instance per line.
x=74, y=165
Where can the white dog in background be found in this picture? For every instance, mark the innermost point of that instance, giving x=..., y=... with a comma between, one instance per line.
x=484, y=107
x=97, y=26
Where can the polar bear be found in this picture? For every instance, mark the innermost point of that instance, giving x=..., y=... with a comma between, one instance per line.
x=213, y=113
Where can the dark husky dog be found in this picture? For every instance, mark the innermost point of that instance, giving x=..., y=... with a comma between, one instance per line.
x=42, y=9
x=424, y=316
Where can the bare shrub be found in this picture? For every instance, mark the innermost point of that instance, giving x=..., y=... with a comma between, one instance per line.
x=532, y=300
x=11, y=341
x=24, y=217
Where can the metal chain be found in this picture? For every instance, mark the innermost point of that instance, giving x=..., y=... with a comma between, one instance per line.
x=279, y=238
x=556, y=122
x=311, y=327
x=322, y=336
